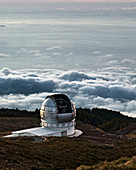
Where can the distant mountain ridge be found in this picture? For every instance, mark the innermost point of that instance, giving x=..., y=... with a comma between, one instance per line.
x=5, y=112
x=107, y=120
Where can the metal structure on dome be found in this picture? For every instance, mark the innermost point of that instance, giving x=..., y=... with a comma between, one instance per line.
x=57, y=118
x=58, y=112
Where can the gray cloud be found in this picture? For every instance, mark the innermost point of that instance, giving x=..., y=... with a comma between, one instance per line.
x=13, y=83
x=6, y=71
x=113, y=62
x=122, y=92
x=108, y=55
x=25, y=86
x=4, y=55
x=134, y=81
x=96, y=52
x=74, y=75
x=130, y=8
x=131, y=106
x=127, y=61
x=53, y=51
x=2, y=25
x=54, y=48
x=26, y=89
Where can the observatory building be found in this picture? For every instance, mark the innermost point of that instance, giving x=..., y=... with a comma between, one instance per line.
x=57, y=119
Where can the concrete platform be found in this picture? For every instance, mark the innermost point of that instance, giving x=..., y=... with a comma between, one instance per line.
x=40, y=131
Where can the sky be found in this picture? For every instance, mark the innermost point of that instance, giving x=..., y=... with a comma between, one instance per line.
x=68, y=0
x=85, y=51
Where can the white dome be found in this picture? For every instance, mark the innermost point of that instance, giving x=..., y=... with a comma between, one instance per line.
x=57, y=118
x=57, y=109
x=49, y=105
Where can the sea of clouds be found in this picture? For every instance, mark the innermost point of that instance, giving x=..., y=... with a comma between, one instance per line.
x=79, y=36
x=112, y=88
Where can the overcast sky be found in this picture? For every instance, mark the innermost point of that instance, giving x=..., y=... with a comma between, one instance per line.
x=68, y=0
x=85, y=51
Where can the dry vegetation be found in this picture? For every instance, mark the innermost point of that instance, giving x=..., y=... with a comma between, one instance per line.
x=122, y=163
x=95, y=149
x=59, y=153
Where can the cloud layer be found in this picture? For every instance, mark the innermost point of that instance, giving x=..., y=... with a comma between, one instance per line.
x=2, y=55
x=26, y=89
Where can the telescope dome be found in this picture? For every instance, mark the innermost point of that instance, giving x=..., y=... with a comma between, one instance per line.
x=57, y=110
x=57, y=119
x=49, y=105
